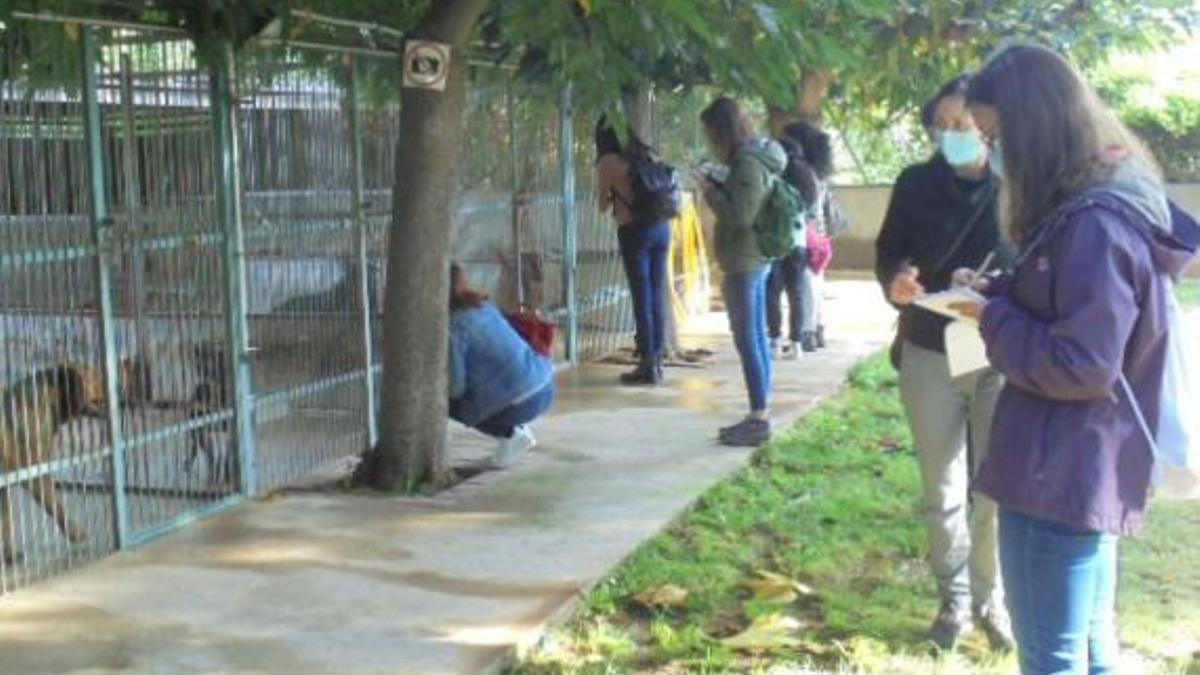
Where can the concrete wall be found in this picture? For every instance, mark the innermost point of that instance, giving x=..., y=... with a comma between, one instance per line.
x=866, y=207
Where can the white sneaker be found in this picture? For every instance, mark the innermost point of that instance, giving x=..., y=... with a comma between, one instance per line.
x=510, y=449
x=790, y=351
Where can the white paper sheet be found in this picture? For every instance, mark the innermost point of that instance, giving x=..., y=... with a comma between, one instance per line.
x=940, y=302
x=965, y=351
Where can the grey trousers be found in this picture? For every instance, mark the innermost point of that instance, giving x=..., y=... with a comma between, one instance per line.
x=943, y=413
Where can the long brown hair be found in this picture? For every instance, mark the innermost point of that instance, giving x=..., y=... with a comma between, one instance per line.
x=727, y=125
x=1057, y=136
x=462, y=295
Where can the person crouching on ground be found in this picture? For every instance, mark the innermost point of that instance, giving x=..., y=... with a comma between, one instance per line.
x=754, y=162
x=498, y=383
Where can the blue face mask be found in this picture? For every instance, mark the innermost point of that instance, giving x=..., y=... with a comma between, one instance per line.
x=996, y=160
x=960, y=148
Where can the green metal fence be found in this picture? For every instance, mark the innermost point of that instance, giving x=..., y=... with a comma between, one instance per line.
x=201, y=245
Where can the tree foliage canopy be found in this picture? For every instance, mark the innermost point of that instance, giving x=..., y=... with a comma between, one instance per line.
x=886, y=54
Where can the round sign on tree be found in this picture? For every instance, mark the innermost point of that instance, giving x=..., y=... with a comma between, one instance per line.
x=426, y=64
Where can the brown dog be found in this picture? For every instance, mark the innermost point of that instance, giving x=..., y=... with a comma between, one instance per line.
x=33, y=410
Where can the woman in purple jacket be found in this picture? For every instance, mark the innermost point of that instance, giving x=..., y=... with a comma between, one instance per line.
x=1086, y=303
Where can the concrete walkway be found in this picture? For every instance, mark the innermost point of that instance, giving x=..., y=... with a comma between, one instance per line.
x=330, y=583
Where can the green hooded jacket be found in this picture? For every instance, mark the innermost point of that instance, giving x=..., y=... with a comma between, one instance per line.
x=737, y=201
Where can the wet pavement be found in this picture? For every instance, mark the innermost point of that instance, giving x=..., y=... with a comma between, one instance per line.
x=323, y=582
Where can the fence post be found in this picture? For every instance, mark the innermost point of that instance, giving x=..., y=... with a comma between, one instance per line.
x=102, y=233
x=570, y=224
x=133, y=198
x=357, y=205
x=229, y=214
x=518, y=198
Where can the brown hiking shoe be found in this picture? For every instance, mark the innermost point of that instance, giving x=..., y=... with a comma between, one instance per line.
x=994, y=621
x=953, y=621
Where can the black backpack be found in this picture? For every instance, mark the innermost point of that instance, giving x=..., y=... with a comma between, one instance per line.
x=657, y=190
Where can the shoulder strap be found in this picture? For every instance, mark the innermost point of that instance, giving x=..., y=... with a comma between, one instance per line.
x=631, y=174
x=1137, y=412
x=968, y=227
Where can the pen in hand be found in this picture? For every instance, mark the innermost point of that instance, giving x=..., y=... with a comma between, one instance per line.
x=973, y=309
x=967, y=278
x=983, y=267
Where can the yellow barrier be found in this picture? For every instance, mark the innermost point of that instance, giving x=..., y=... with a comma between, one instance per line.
x=690, y=289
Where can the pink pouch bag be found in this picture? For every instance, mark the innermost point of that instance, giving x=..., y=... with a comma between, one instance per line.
x=820, y=249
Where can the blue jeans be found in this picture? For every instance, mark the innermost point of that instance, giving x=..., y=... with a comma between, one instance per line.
x=745, y=302
x=1061, y=584
x=501, y=424
x=644, y=251
x=787, y=274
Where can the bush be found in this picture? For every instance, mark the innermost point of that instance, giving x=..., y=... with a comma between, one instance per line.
x=1171, y=128
x=1173, y=134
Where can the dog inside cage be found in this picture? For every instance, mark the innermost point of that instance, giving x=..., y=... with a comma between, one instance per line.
x=212, y=395
x=35, y=409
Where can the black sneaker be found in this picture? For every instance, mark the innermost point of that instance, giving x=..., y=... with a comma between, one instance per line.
x=808, y=341
x=749, y=433
x=645, y=375
x=725, y=431
x=821, y=337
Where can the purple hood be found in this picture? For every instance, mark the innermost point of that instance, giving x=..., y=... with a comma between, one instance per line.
x=1086, y=302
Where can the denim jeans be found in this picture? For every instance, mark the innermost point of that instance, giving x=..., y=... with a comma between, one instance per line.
x=501, y=424
x=745, y=303
x=788, y=274
x=644, y=251
x=1061, y=584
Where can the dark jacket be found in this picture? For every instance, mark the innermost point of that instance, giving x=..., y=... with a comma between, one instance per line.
x=929, y=206
x=1086, y=302
x=491, y=367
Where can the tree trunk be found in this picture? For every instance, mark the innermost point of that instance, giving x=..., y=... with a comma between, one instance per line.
x=814, y=88
x=411, y=450
x=811, y=91
x=637, y=103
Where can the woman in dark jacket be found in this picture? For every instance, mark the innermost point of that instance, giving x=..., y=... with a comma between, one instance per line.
x=825, y=221
x=790, y=274
x=1085, y=306
x=942, y=216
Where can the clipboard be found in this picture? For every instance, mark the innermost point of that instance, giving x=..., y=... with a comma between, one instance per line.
x=939, y=303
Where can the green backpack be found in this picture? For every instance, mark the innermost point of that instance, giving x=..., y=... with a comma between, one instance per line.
x=777, y=218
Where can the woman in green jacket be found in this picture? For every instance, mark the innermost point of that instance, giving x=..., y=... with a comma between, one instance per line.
x=754, y=162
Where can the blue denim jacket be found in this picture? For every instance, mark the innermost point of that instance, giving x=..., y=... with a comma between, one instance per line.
x=491, y=365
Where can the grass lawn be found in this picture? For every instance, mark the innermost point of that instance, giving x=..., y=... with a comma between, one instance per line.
x=811, y=560
x=1189, y=292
